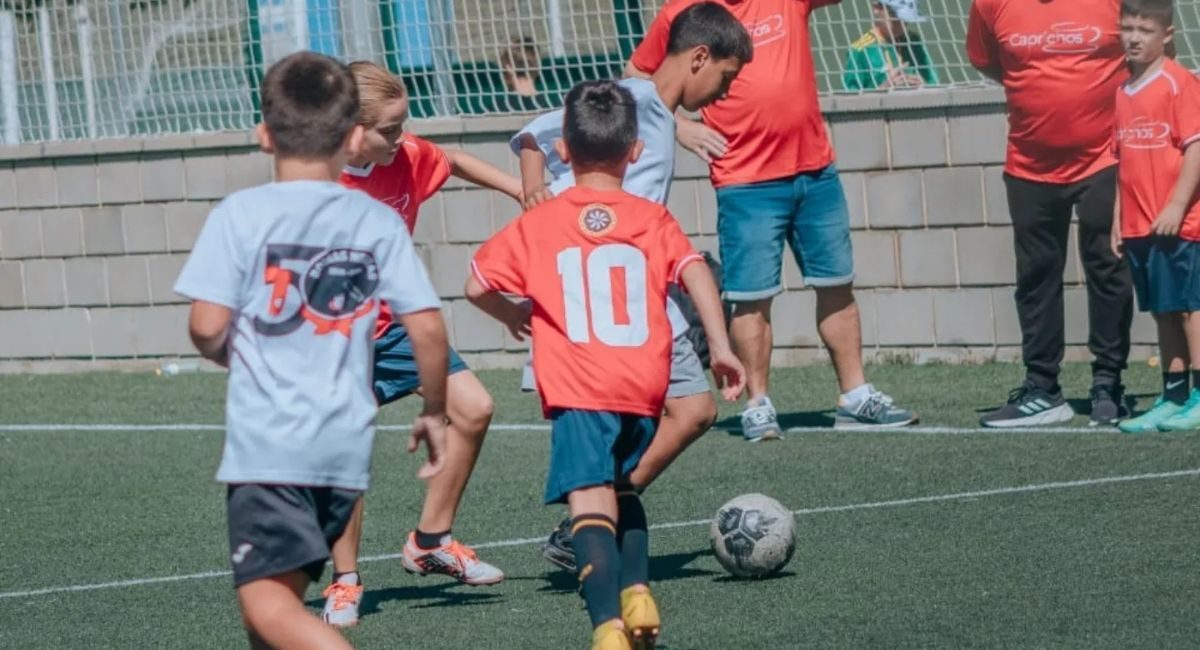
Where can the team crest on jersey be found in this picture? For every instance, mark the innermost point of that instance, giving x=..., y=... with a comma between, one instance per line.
x=597, y=220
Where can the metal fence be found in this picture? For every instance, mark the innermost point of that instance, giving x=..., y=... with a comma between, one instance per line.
x=74, y=69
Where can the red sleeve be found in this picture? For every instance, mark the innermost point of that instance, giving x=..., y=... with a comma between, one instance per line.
x=653, y=48
x=676, y=247
x=502, y=263
x=981, y=40
x=431, y=168
x=1185, y=110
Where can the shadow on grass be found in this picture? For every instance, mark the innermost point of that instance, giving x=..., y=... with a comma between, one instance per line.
x=443, y=594
x=805, y=419
x=662, y=569
x=729, y=579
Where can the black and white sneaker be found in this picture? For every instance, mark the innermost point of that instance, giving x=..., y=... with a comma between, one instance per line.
x=1030, y=406
x=558, y=549
x=1108, y=405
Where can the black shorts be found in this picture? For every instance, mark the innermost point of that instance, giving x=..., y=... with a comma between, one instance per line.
x=277, y=529
x=1164, y=273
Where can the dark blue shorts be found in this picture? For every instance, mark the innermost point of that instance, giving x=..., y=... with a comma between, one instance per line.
x=590, y=448
x=1164, y=273
x=396, y=367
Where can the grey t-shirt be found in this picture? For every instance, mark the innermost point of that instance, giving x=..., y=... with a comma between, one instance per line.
x=304, y=266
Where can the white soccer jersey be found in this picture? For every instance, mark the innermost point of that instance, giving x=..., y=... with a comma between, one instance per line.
x=304, y=266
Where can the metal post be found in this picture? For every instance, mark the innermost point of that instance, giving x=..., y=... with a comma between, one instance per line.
x=88, y=67
x=50, y=89
x=8, y=78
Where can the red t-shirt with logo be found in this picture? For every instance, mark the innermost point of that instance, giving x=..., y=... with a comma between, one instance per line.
x=1156, y=119
x=771, y=117
x=596, y=265
x=1061, y=62
x=418, y=172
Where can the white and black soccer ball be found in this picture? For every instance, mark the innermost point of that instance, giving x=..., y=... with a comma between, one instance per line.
x=753, y=536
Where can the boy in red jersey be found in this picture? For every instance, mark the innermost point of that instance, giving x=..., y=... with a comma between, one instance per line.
x=1157, y=222
x=596, y=261
x=403, y=171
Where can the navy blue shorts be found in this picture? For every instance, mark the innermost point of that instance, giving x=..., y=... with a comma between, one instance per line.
x=1164, y=273
x=396, y=367
x=591, y=448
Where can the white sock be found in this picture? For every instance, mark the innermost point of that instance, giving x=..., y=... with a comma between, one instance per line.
x=856, y=395
x=348, y=578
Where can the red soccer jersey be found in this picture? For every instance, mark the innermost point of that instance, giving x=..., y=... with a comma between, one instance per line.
x=418, y=172
x=596, y=265
x=771, y=117
x=1157, y=118
x=1061, y=63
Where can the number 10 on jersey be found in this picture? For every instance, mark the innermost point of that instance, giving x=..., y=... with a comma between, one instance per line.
x=592, y=307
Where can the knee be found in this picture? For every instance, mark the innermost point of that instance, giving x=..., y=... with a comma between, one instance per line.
x=698, y=419
x=474, y=415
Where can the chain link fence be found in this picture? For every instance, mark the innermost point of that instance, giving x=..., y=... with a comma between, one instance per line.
x=109, y=68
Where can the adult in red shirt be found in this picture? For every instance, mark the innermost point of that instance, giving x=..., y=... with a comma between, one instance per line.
x=772, y=166
x=1060, y=62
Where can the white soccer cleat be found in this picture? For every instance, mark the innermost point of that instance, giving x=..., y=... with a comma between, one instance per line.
x=454, y=559
x=341, y=604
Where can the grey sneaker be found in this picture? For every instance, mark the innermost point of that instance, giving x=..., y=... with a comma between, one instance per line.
x=1030, y=406
x=760, y=422
x=1108, y=405
x=876, y=410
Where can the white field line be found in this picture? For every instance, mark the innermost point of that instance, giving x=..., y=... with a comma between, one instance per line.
x=529, y=541
x=542, y=426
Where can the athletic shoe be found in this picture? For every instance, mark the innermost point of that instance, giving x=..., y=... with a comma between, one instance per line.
x=341, y=604
x=558, y=549
x=1029, y=406
x=610, y=636
x=455, y=559
x=1188, y=417
x=1108, y=405
x=760, y=422
x=876, y=410
x=640, y=614
x=1148, y=422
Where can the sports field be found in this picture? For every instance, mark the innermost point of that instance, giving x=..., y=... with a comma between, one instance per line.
x=943, y=536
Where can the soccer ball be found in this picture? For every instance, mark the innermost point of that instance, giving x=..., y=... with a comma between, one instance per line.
x=753, y=536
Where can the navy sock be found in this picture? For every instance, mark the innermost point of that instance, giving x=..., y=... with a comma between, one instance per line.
x=429, y=541
x=633, y=538
x=599, y=562
x=1175, y=387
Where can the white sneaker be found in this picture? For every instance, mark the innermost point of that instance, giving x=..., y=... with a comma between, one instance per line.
x=342, y=599
x=454, y=559
x=760, y=422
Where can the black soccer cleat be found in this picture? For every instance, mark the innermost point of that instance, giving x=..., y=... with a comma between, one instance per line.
x=559, y=550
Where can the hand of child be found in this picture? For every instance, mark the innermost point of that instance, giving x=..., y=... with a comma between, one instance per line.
x=518, y=320
x=729, y=373
x=1168, y=221
x=1116, y=241
x=535, y=194
x=700, y=140
x=429, y=429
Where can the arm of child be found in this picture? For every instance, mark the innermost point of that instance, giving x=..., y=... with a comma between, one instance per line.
x=1170, y=218
x=473, y=170
x=728, y=371
x=533, y=171
x=208, y=325
x=513, y=315
x=427, y=331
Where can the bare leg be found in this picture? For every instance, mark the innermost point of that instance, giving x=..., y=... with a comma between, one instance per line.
x=470, y=409
x=685, y=420
x=750, y=334
x=275, y=617
x=345, y=549
x=840, y=327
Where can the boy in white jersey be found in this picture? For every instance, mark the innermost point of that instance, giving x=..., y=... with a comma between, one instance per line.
x=286, y=281
x=706, y=50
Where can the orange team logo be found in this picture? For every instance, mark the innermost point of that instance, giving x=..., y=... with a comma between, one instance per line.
x=597, y=220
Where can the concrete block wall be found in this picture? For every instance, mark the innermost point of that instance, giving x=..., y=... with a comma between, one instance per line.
x=92, y=236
